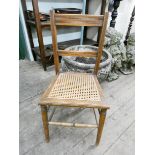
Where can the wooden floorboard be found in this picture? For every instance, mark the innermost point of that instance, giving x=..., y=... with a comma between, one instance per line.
x=118, y=129
x=33, y=79
x=124, y=144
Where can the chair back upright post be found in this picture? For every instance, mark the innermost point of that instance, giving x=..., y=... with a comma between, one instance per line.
x=54, y=41
x=77, y=20
x=101, y=43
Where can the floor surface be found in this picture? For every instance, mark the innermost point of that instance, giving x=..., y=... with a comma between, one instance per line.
x=118, y=134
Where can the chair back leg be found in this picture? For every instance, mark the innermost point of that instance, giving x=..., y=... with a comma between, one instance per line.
x=102, y=113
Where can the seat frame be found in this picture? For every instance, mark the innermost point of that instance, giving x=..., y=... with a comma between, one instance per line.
x=45, y=104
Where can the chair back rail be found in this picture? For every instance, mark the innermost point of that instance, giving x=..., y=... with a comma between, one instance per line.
x=77, y=20
x=77, y=53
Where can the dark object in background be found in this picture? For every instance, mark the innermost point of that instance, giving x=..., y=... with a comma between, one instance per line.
x=114, y=13
x=130, y=25
x=68, y=10
x=111, y=5
x=43, y=16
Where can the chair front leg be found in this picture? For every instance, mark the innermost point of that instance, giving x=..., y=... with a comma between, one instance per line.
x=102, y=113
x=45, y=122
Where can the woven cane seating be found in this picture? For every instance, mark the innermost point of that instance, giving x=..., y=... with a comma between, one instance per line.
x=75, y=89
x=75, y=86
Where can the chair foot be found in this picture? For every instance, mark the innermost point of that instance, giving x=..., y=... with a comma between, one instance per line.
x=45, y=122
x=101, y=125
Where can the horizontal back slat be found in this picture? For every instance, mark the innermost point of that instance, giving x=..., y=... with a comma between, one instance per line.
x=78, y=20
x=77, y=53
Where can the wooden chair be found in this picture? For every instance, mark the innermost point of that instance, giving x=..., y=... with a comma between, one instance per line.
x=75, y=89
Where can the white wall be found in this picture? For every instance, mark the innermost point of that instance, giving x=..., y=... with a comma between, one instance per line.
x=124, y=13
x=122, y=20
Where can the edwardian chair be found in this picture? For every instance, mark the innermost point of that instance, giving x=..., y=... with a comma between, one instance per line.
x=75, y=89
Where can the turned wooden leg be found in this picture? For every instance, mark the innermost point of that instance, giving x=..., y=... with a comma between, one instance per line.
x=45, y=122
x=101, y=124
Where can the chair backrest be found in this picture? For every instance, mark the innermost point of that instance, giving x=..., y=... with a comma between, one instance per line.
x=77, y=20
